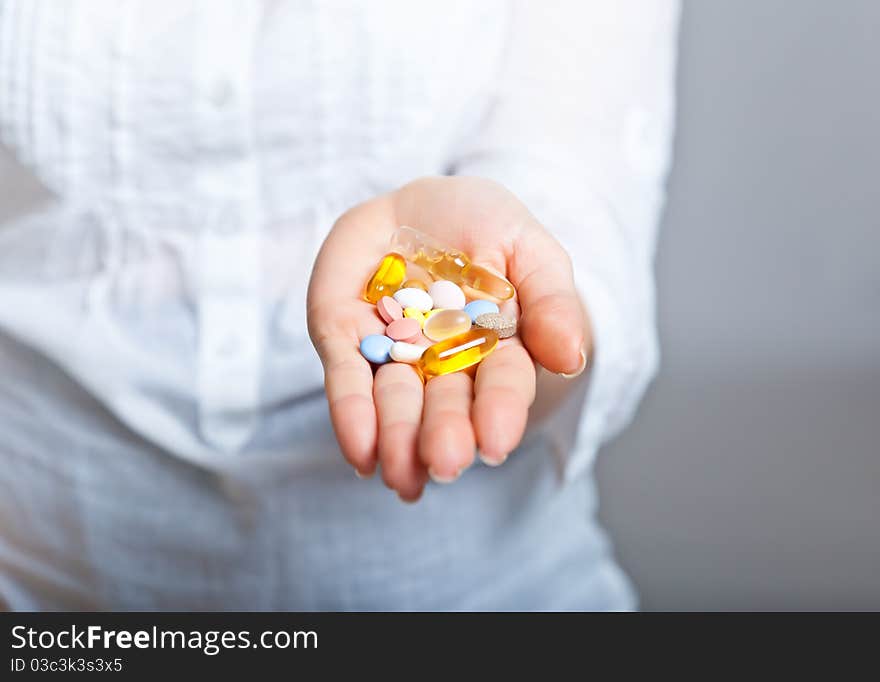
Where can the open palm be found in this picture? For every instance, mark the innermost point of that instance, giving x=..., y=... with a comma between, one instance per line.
x=415, y=430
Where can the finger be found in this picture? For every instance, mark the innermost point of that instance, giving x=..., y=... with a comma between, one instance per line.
x=446, y=439
x=398, y=394
x=554, y=324
x=348, y=382
x=338, y=318
x=503, y=392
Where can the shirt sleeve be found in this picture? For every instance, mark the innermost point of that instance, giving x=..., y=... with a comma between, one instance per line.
x=579, y=128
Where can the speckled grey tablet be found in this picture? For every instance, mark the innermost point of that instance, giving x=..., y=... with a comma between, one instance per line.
x=503, y=326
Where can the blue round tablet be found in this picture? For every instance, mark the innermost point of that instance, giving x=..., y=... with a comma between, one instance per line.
x=375, y=348
x=479, y=307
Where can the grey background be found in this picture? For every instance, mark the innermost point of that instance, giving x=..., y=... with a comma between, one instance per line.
x=751, y=477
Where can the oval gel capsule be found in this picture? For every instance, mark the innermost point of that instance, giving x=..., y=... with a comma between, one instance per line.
x=458, y=352
x=446, y=323
x=448, y=263
x=387, y=278
x=480, y=278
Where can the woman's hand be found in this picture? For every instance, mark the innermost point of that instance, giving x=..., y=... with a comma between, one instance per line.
x=417, y=430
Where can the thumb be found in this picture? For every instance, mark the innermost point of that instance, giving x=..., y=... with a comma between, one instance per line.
x=554, y=324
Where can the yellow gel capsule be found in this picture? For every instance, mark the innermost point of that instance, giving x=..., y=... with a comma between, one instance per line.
x=458, y=352
x=387, y=278
x=415, y=314
x=448, y=263
x=447, y=323
x=450, y=266
x=481, y=279
x=414, y=284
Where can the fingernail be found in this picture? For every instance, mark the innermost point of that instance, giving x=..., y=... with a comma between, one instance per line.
x=409, y=500
x=579, y=370
x=364, y=476
x=494, y=461
x=442, y=479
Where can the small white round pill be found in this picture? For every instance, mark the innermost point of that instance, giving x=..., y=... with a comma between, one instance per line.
x=447, y=294
x=414, y=298
x=401, y=351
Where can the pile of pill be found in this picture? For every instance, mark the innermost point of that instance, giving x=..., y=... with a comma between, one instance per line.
x=432, y=325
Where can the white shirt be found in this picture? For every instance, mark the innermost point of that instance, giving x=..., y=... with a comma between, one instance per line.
x=186, y=160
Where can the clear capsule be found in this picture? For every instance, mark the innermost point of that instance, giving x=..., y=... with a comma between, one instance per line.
x=387, y=278
x=479, y=278
x=446, y=323
x=458, y=352
x=448, y=263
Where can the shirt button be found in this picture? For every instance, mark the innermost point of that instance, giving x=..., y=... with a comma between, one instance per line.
x=221, y=94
